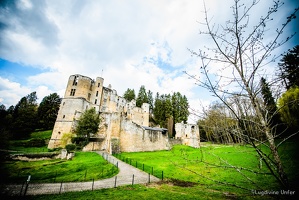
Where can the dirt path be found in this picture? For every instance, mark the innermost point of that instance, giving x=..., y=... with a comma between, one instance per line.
x=124, y=177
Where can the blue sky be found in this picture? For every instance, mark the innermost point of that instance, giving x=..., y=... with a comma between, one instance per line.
x=134, y=43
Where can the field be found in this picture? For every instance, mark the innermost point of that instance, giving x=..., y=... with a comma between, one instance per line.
x=211, y=172
x=85, y=166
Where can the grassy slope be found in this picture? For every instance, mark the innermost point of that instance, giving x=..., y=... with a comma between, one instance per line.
x=21, y=145
x=89, y=163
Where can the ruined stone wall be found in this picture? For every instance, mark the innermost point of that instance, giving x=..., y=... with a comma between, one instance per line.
x=134, y=138
x=83, y=93
x=188, y=133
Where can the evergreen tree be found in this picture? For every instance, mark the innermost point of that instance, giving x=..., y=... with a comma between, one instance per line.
x=184, y=106
x=25, y=116
x=269, y=103
x=289, y=67
x=48, y=110
x=129, y=94
x=142, y=97
x=150, y=100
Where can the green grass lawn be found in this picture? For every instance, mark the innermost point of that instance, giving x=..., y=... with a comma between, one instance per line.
x=31, y=144
x=85, y=166
x=202, y=166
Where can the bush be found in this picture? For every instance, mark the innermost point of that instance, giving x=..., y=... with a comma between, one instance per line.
x=35, y=142
x=70, y=147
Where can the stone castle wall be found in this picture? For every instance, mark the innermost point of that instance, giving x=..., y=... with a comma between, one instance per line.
x=123, y=125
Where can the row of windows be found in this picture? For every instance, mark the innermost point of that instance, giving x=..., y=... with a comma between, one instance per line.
x=73, y=91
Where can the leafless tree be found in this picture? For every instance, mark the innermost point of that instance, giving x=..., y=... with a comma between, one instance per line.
x=244, y=51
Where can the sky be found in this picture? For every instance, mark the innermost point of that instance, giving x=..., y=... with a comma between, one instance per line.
x=128, y=43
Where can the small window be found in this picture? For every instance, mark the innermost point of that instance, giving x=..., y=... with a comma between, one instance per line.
x=75, y=82
x=58, y=132
x=95, y=101
x=99, y=84
x=73, y=91
x=63, y=116
x=63, y=103
x=186, y=135
x=97, y=94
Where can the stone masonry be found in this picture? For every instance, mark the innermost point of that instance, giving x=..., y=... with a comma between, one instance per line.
x=123, y=127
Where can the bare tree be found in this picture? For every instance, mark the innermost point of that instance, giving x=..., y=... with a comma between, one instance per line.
x=244, y=51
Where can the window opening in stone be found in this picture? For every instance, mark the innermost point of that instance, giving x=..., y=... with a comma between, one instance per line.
x=75, y=82
x=95, y=101
x=97, y=93
x=73, y=91
x=63, y=116
x=99, y=84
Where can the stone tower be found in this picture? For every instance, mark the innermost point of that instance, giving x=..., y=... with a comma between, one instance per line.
x=81, y=94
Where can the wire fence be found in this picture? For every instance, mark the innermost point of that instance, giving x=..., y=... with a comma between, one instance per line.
x=31, y=184
x=146, y=168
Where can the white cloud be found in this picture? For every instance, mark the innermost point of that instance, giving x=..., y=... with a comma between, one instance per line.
x=11, y=92
x=134, y=42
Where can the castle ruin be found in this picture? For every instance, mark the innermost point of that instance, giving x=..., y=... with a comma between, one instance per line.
x=124, y=127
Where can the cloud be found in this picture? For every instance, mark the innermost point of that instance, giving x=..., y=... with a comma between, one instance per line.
x=129, y=43
x=11, y=92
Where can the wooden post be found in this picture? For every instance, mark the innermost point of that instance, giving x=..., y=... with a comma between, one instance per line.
x=60, y=188
x=115, y=181
x=133, y=180
x=92, y=184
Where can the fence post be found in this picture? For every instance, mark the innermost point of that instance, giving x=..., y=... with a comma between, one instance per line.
x=133, y=180
x=115, y=181
x=22, y=188
x=27, y=183
x=92, y=184
x=60, y=188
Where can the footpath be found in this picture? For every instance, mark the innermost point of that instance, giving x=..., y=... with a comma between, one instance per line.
x=127, y=175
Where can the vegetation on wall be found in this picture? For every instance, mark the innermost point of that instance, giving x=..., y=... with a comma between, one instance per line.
x=87, y=125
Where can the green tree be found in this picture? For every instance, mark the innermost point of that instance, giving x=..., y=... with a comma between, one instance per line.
x=289, y=67
x=87, y=125
x=129, y=94
x=289, y=107
x=150, y=100
x=48, y=109
x=25, y=116
x=142, y=97
x=270, y=109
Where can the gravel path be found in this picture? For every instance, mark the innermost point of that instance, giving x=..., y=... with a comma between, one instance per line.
x=124, y=177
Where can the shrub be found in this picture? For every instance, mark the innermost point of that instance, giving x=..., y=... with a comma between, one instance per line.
x=70, y=147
